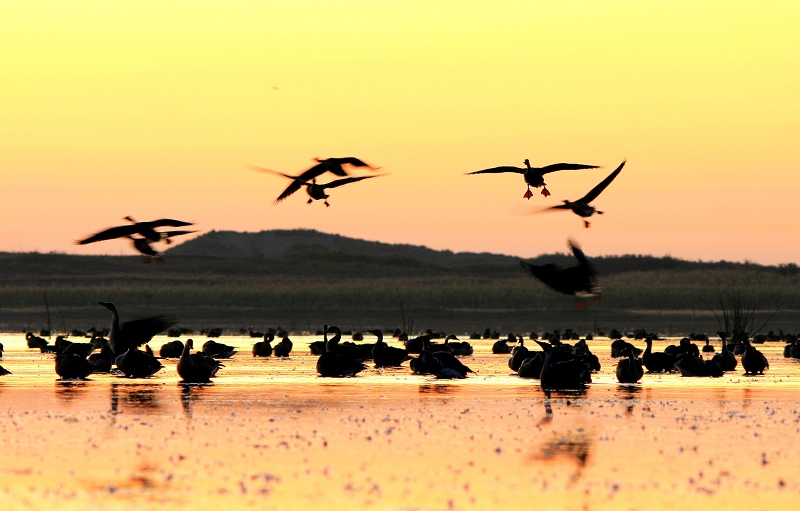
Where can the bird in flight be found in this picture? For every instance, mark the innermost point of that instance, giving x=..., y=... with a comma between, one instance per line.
x=145, y=229
x=333, y=165
x=581, y=207
x=144, y=246
x=534, y=176
x=314, y=190
x=577, y=280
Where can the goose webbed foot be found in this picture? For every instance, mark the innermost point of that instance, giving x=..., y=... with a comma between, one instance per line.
x=327, y=205
x=528, y=194
x=545, y=191
x=310, y=201
x=599, y=212
x=586, y=223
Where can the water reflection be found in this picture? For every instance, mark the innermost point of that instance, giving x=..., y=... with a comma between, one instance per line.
x=629, y=392
x=69, y=391
x=189, y=394
x=573, y=445
x=437, y=389
x=135, y=397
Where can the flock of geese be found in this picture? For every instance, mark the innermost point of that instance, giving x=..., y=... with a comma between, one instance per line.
x=558, y=366
x=144, y=235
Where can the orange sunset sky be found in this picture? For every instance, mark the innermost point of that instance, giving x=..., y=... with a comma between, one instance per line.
x=151, y=109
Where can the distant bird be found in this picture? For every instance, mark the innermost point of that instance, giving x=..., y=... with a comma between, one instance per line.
x=334, y=364
x=172, y=349
x=442, y=364
x=132, y=334
x=216, y=349
x=581, y=207
x=619, y=348
x=753, y=361
x=145, y=229
x=196, y=367
x=577, y=280
x=72, y=366
x=659, y=361
x=534, y=176
x=333, y=165
x=283, y=348
x=708, y=348
x=35, y=341
x=144, y=245
x=570, y=374
x=1, y=350
x=725, y=359
x=102, y=362
x=264, y=348
x=387, y=356
x=314, y=190
x=629, y=369
x=136, y=363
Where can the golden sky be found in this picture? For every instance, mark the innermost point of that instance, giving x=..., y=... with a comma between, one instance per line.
x=151, y=110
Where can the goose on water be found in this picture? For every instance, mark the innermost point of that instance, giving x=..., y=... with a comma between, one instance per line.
x=132, y=334
x=335, y=364
x=387, y=356
x=196, y=367
x=264, y=348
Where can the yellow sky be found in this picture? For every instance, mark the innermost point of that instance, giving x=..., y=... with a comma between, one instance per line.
x=151, y=111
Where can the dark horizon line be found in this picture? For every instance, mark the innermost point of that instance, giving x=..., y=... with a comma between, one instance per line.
x=745, y=262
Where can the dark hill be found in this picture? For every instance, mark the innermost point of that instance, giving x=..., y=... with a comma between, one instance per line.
x=304, y=243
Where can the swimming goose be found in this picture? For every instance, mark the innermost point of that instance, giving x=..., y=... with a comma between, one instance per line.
x=387, y=356
x=581, y=207
x=135, y=363
x=132, y=334
x=534, y=176
x=283, y=348
x=690, y=364
x=335, y=364
x=102, y=362
x=35, y=341
x=459, y=349
x=519, y=354
x=753, y=361
x=725, y=359
x=659, y=361
x=72, y=366
x=441, y=364
x=196, y=367
x=172, y=349
x=629, y=369
x=217, y=349
x=577, y=280
x=264, y=348
x=569, y=374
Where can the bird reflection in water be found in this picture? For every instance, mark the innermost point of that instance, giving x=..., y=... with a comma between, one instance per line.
x=135, y=397
x=573, y=445
x=190, y=393
x=437, y=389
x=68, y=391
x=628, y=393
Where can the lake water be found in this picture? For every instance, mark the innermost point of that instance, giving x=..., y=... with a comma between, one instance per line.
x=270, y=434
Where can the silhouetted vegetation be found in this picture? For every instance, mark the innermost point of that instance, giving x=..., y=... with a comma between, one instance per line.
x=306, y=282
